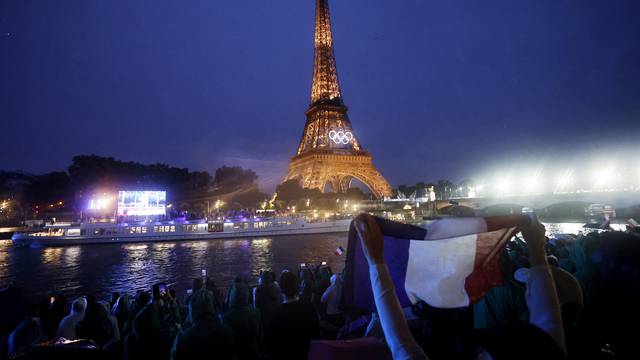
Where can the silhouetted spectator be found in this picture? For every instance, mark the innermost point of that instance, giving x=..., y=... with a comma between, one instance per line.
x=306, y=284
x=51, y=312
x=294, y=325
x=323, y=281
x=207, y=337
x=146, y=340
x=267, y=296
x=97, y=324
x=244, y=320
x=29, y=332
x=115, y=329
x=121, y=310
x=141, y=300
x=67, y=327
x=332, y=297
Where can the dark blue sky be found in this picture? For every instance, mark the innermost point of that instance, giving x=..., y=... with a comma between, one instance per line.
x=436, y=89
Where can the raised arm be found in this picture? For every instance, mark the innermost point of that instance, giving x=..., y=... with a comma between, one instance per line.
x=541, y=295
x=394, y=324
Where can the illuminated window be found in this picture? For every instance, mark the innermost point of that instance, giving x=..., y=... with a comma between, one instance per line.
x=138, y=230
x=216, y=227
x=197, y=227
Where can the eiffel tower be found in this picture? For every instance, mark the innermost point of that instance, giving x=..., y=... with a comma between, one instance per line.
x=329, y=152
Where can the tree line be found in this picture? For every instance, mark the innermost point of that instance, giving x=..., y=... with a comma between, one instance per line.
x=90, y=174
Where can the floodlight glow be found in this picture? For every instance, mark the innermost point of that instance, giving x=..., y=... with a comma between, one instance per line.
x=604, y=178
x=565, y=181
x=531, y=184
x=503, y=186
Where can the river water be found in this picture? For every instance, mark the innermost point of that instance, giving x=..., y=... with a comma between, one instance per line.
x=102, y=269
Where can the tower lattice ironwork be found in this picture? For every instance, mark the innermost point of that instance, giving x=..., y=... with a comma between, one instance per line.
x=329, y=152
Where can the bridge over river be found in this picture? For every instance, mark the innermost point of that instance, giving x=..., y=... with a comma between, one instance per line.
x=557, y=207
x=560, y=206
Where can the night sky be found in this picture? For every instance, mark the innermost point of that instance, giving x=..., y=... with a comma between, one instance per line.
x=436, y=89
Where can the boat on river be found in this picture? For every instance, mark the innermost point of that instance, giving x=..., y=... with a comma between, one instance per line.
x=65, y=234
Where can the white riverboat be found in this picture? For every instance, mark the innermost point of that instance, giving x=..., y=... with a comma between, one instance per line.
x=108, y=233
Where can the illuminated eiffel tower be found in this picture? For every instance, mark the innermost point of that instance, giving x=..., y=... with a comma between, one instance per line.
x=329, y=152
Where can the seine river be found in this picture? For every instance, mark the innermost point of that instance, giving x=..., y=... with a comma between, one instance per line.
x=102, y=269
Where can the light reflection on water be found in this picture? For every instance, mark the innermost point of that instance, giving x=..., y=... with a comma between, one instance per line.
x=573, y=228
x=262, y=257
x=4, y=257
x=101, y=269
x=563, y=228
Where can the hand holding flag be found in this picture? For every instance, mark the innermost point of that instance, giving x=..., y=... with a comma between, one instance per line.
x=455, y=262
x=451, y=263
x=371, y=238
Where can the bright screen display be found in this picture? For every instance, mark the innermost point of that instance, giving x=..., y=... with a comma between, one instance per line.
x=141, y=202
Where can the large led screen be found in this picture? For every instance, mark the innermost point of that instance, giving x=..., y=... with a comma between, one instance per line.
x=141, y=202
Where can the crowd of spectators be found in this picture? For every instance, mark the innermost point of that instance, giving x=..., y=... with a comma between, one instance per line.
x=574, y=296
x=276, y=319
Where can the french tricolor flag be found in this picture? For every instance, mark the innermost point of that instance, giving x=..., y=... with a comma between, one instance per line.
x=451, y=263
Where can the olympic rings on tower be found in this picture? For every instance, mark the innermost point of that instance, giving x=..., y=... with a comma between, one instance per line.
x=340, y=137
